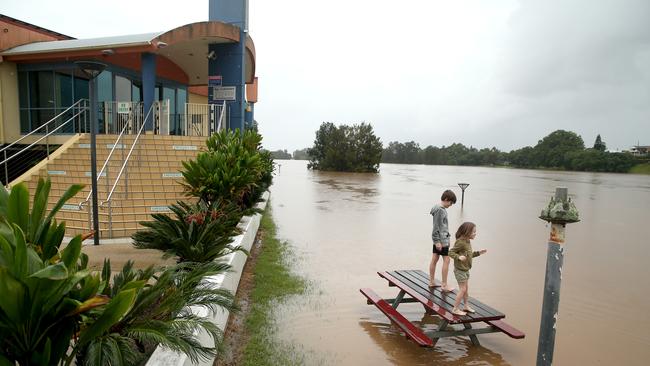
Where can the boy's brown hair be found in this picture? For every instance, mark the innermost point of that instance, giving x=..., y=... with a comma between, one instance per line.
x=448, y=195
x=465, y=230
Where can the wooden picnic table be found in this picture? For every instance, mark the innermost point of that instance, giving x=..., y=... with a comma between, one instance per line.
x=415, y=284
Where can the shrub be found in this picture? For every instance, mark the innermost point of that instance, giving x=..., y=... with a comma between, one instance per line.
x=46, y=292
x=196, y=233
x=160, y=314
x=233, y=168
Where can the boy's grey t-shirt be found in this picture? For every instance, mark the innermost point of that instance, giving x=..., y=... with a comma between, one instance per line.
x=440, y=232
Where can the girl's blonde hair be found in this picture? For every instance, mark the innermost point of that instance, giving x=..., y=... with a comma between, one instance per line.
x=465, y=230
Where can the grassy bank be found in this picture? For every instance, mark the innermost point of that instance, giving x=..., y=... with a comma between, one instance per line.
x=641, y=169
x=273, y=283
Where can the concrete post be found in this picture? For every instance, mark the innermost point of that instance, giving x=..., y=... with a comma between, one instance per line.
x=559, y=212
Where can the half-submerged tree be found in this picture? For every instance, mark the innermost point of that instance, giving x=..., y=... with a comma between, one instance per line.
x=345, y=148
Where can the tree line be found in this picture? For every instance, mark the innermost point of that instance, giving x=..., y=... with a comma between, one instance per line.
x=335, y=148
x=559, y=150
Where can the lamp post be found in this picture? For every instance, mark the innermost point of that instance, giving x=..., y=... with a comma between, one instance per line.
x=92, y=69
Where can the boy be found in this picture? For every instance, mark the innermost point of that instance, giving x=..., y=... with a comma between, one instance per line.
x=440, y=236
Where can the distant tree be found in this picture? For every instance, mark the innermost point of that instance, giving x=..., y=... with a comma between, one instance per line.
x=346, y=148
x=592, y=160
x=280, y=155
x=523, y=157
x=301, y=154
x=551, y=150
x=599, y=144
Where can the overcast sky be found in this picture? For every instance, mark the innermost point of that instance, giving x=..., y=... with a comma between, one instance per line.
x=501, y=73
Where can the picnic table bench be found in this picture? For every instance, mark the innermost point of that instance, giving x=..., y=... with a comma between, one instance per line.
x=415, y=284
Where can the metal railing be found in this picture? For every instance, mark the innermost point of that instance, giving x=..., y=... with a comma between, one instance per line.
x=77, y=110
x=114, y=116
x=202, y=119
x=221, y=117
x=130, y=121
x=122, y=169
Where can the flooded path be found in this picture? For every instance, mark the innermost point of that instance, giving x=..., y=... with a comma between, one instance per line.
x=346, y=227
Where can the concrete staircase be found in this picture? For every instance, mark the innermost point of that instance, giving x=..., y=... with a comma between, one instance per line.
x=149, y=185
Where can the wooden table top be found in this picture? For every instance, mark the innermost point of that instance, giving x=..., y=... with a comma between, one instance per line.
x=416, y=284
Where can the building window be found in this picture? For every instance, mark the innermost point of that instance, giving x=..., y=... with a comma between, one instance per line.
x=46, y=94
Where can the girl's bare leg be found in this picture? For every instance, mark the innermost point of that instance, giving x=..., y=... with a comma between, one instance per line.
x=467, y=308
x=462, y=290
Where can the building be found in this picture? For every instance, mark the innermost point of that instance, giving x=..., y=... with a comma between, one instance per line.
x=640, y=150
x=39, y=77
x=164, y=91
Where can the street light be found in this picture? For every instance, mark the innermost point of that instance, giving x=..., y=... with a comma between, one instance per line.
x=92, y=69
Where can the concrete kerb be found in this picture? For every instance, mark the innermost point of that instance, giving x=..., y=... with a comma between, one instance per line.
x=230, y=281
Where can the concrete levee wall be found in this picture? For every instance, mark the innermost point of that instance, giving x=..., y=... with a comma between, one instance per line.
x=229, y=281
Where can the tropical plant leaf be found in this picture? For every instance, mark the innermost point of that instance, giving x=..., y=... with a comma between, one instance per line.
x=69, y=193
x=113, y=312
x=20, y=255
x=94, y=302
x=70, y=255
x=38, y=207
x=13, y=292
x=4, y=201
x=53, y=272
x=18, y=206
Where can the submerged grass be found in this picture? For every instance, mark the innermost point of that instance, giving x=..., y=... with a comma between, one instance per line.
x=273, y=283
x=641, y=169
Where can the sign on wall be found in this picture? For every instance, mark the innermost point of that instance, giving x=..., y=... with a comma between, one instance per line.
x=224, y=93
x=123, y=107
x=217, y=93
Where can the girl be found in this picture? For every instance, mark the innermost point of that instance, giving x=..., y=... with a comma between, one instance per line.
x=462, y=254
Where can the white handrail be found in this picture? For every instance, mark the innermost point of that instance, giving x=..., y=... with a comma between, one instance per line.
x=223, y=110
x=48, y=122
x=99, y=175
x=35, y=142
x=126, y=161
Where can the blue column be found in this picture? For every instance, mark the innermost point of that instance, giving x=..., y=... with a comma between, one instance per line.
x=249, y=114
x=229, y=64
x=148, y=85
x=230, y=60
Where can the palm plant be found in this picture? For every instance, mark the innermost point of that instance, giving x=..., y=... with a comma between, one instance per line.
x=197, y=233
x=161, y=314
x=46, y=292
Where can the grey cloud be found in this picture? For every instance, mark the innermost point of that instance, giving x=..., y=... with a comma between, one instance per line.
x=566, y=45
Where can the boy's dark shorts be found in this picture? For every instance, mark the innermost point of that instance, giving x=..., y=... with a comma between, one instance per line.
x=444, y=251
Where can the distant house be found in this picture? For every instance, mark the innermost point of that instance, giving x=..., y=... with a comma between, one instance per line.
x=640, y=150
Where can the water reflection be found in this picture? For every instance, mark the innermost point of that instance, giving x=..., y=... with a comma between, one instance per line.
x=448, y=351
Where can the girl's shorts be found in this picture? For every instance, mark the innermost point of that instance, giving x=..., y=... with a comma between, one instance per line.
x=461, y=276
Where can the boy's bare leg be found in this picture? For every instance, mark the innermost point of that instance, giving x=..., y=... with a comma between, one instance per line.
x=432, y=269
x=445, y=272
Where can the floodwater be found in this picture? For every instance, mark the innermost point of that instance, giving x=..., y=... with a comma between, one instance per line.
x=344, y=227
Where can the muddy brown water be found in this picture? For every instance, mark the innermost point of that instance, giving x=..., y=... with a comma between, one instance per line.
x=346, y=227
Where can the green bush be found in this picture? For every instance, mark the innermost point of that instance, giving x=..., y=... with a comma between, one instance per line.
x=46, y=293
x=233, y=168
x=346, y=148
x=159, y=314
x=196, y=233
